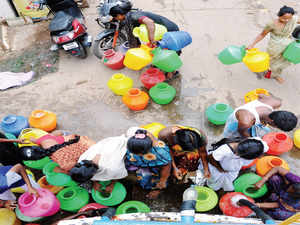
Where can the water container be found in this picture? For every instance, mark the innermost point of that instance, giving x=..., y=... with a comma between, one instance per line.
x=175, y=40
x=229, y=207
x=132, y=207
x=141, y=32
x=292, y=52
x=117, y=195
x=266, y=163
x=45, y=185
x=42, y=119
x=73, y=198
x=31, y=133
x=245, y=184
x=207, y=199
x=218, y=113
x=232, y=54
x=166, y=60
x=91, y=206
x=8, y=217
x=44, y=205
x=24, y=218
x=297, y=138
x=20, y=189
x=14, y=124
x=256, y=60
x=37, y=164
x=154, y=128
x=151, y=77
x=114, y=60
x=138, y=58
x=162, y=93
x=278, y=143
x=135, y=99
x=253, y=95
x=120, y=84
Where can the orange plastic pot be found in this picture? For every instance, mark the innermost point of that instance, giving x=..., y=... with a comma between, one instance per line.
x=250, y=165
x=44, y=184
x=135, y=99
x=278, y=143
x=253, y=95
x=42, y=119
x=266, y=163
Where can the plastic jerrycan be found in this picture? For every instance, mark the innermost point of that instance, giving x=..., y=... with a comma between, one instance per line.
x=292, y=52
x=166, y=60
x=141, y=32
x=256, y=60
x=232, y=54
x=175, y=40
x=138, y=58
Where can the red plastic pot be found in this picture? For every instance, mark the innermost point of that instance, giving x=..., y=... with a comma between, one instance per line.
x=151, y=77
x=90, y=207
x=250, y=165
x=228, y=205
x=113, y=60
x=278, y=143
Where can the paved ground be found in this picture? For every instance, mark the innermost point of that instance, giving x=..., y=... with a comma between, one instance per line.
x=83, y=103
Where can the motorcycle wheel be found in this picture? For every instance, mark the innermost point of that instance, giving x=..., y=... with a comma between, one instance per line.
x=82, y=49
x=100, y=46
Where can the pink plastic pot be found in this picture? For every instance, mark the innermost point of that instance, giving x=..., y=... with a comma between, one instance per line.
x=44, y=205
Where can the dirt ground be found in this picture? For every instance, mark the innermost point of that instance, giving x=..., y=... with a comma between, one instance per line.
x=78, y=93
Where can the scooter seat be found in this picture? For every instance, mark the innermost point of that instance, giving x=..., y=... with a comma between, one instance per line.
x=61, y=22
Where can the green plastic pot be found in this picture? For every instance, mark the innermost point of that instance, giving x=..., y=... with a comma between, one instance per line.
x=245, y=184
x=207, y=199
x=11, y=136
x=57, y=179
x=232, y=54
x=37, y=164
x=292, y=52
x=166, y=60
x=110, y=199
x=24, y=218
x=162, y=93
x=218, y=113
x=73, y=198
x=132, y=207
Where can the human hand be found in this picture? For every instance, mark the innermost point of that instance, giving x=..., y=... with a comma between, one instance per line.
x=24, y=141
x=33, y=191
x=177, y=173
x=10, y=204
x=259, y=184
x=207, y=174
x=161, y=185
x=249, y=47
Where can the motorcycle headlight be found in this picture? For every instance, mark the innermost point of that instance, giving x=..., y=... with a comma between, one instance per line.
x=106, y=19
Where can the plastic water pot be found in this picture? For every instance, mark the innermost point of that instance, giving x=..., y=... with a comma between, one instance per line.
x=37, y=164
x=42, y=119
x=141, y=32
x=138, y=58
x=175, y=40
x=228, y=205
x=207, y=199
x=297, y=138
x=151, y=77
x=117, y=195
x=20, y=189
x=218, y=113
x=253, y=95
x=135, y=99
x=292, y=52
x=132, y=207
x=113, y=60
x=245, y=184
x=120, y=84
x=31, y=133
x=278, y=143
x=232, y=54
x=8, y=217
x=256, y=60
x=166, y=60
x=162, y=93
x=14, y=124
x=154, y=128
x=44, y=205
x=24, y=218
x=73, y=198
x=266, y=163
x=44, y=184
x=11, y=136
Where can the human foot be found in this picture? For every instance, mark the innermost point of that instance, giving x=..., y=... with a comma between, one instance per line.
x=279, y=79
x=153, y=194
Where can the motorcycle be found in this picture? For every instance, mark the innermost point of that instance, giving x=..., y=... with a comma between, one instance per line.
x=67, y=29
x=113, y=35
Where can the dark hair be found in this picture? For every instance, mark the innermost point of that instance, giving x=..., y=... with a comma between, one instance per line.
x=247, y=148
x=285, y=10
x=139, y=145
x=188, y=140
x=83, y=171
x=284, y=120
x=32, y=153
x=123, y=8
x=296, y=191
x=9, y=153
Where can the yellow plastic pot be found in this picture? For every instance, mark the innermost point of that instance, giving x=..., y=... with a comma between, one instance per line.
x=19, y=189
x=31, y=133
x=154, y=128
x=138, y=58
x=253, y=95
x=256, y=60
x=141, y=32
x=8, y=217
x=297, y=138
x=120, y=84
x=29, y=8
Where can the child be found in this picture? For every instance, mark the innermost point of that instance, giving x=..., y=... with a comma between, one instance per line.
x=228, y=157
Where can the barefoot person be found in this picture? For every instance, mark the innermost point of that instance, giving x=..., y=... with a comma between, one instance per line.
x=280, y=37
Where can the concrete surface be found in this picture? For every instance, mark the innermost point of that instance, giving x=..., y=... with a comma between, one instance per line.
x=83, y=103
